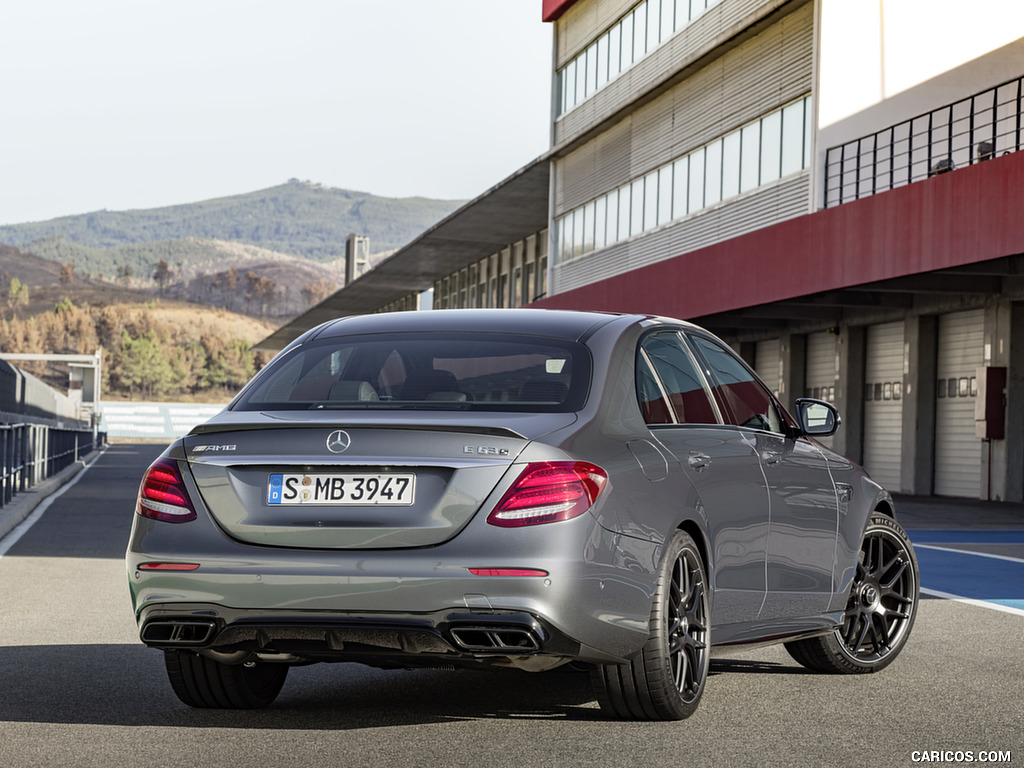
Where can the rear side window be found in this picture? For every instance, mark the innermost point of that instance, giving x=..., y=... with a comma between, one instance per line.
x=744, y=401
x=670, y=388
x=459, y=371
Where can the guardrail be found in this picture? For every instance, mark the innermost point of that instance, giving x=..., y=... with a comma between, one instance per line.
x=31, y=453
x=972, y=130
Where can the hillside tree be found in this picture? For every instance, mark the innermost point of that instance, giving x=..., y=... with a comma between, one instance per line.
x=262, y=290
x=162, y=273
x=316, y=292
x=229, y=360
x=17, y=294
x=145, y=365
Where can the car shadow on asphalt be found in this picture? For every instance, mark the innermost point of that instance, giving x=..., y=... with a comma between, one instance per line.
x=730, y=666
x=126, y=685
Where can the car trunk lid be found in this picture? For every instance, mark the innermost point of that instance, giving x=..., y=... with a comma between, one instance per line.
x=364, y=482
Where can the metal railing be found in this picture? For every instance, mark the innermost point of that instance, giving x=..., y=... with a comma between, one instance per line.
x=31, y=453
x=972, y=130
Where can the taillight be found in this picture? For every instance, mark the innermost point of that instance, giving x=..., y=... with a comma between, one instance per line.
x=549, y=491
x=162, y=495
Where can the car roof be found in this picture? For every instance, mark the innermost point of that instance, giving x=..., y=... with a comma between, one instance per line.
x=566, y=324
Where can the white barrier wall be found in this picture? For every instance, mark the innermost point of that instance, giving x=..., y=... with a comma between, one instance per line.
x=147, y=421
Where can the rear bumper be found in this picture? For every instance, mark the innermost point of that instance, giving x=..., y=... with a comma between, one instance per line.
x=593, y=604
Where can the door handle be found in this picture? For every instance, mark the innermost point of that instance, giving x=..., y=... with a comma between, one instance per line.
x=771, y=457
x=699, y=460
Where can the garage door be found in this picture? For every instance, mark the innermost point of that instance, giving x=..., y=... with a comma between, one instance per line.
x=957, y=450
x=820, y=375
x=883, y=404
x=766, y=363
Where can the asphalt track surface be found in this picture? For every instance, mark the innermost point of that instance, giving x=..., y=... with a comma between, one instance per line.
x=78, y=689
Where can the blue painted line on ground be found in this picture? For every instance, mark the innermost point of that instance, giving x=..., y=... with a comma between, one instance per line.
x=968, y=575
x=966, y=537
x=1018, y=604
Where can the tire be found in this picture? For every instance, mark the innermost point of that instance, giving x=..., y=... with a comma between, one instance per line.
x=880, y=611
x=207, y=684
x=665, y=680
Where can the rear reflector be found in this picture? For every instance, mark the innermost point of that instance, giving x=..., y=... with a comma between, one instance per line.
x=548, y=492
x=168, y=566
x=507, y=572
x=162, y=495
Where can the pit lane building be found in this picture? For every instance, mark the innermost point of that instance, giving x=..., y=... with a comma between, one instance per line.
x=835, y=188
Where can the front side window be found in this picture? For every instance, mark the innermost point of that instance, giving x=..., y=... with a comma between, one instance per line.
x=743, y=399
x=421, y=371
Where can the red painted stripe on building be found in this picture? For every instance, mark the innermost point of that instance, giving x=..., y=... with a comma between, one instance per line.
x=970, y=215
x=553, y=9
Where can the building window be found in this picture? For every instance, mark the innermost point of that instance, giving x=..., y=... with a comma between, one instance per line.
x=713, y=173
x=771, y=147
x=600, y=223
x=696, y=193
x=774, y=146
x=651, y=200
x=750, y=156
x=636, y=218
x=731, y=165
x=503, y=292
x=680, y=186
x=648, y=25
x=665, y=195
x=517, y=287
x=793, y=137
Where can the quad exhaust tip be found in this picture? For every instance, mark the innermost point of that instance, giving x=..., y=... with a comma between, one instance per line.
x=495, y=639
x=178, y=633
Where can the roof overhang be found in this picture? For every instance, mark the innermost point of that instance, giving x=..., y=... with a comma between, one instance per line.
x=508, y=212
x=553, y=9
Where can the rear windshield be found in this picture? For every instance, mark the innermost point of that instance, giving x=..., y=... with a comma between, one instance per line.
x=462, y=371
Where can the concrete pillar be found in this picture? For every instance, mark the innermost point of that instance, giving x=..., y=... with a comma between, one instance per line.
x=849, y=440
x=920, y=340
x=793, y=362
x=1004, y=346
x=748, y=351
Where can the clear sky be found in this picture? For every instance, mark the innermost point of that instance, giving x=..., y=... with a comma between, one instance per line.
x=122, y=104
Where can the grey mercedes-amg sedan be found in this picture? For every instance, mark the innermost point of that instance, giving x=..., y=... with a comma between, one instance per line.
x=513, y=488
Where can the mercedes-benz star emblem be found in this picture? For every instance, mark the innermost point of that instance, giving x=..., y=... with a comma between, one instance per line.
x=338, y=441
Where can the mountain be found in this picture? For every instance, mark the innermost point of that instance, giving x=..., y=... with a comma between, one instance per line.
x=298, y=218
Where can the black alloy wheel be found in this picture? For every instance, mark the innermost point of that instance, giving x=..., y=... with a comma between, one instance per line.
x=880, y=610
x=665, y=680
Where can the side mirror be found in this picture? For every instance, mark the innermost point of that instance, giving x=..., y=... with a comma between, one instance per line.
x=817, y=418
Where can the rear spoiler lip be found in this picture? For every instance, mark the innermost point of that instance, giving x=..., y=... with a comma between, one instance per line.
x=210, y=429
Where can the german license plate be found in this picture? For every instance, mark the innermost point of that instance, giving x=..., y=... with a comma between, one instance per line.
x=341, y=489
